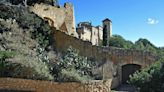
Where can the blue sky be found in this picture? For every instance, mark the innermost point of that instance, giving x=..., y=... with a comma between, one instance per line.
x=132, y=19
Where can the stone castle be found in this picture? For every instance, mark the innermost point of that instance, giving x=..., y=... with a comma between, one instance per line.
x=87, y=32
x=93, y=34
x=113, y=63
x=63, y=19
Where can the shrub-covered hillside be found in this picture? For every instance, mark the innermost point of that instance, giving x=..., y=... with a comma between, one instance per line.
x=26, y=51
x=27, y=36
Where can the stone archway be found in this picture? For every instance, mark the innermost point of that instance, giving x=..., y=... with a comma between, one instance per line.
x=127, y=70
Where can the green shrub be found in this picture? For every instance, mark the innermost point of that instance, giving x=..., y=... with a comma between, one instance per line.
x=73, y=67
x=150, y=79
x=72, y=76
x=120, y=42
x=39, y=29
x=7, y=54
x=3, y=63
x=31, y=68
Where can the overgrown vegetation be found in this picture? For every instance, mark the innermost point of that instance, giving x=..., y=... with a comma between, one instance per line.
x=73, y=67
x=28, y=62
x=141, y=44
x=28, y=35
x=3, y=62
x=31, y=2
x=120, y=42
x=150, y=79
x=38, y=28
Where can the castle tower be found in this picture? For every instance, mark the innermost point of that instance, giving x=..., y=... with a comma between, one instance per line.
x=70, y=19
x=107, y=31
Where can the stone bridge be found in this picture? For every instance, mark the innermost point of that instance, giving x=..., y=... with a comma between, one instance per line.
x=113, y=63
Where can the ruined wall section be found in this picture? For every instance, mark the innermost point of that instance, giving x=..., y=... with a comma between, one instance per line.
x=70, y=18
x=63, y=17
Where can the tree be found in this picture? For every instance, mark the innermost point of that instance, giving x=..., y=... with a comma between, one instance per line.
x=150, y=79
x=120, y=42
x=146, y=45
x=105, y=36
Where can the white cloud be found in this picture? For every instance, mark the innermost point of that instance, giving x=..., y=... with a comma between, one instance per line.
x=152, y=21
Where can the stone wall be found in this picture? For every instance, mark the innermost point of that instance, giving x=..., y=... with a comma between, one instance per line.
x=110, y=54
x=110, y=60
x=24, y=85
x=62, y=17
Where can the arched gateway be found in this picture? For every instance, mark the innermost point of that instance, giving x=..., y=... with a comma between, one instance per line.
x=128, y=70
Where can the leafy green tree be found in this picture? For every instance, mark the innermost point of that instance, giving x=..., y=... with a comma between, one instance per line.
x=160, y=51
x=105, y=37
x=120, y=42
x=150, y=79
x=144, y=44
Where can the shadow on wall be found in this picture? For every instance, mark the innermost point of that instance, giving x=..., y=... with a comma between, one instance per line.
x=128, y=70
